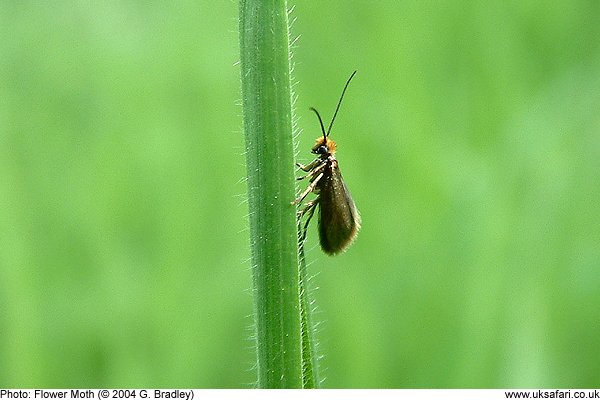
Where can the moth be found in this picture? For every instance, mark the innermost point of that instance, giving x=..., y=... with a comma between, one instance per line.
x=339, y=220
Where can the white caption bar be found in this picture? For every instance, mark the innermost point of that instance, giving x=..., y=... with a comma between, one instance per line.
x=253, y=394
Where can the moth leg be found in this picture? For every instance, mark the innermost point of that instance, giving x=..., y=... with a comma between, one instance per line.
x=307, y=207
x=309, y=189
x=311, y=168
x=307, y=168
x=310, y=210
x=314, y=171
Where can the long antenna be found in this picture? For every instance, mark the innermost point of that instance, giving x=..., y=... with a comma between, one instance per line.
x=321, y=122
x=339, y=104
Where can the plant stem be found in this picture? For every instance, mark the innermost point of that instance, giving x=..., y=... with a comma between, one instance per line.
x=310, y=371
x=267, y=108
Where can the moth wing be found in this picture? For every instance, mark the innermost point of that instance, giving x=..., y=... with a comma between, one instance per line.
x=339, y=220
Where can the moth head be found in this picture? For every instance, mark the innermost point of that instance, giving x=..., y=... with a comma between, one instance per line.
x=324, y=145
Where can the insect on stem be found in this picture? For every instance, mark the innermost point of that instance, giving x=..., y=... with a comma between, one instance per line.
x=339, y=220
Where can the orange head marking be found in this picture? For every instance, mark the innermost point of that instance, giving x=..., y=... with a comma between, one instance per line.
x=324, y=145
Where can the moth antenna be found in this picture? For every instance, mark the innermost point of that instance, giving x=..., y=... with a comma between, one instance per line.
x=322, y=126
x=338, y=105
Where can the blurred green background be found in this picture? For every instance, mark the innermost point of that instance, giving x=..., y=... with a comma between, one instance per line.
x=470, y=139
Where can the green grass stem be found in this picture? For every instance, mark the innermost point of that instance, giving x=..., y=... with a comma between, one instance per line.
x=267, y=110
